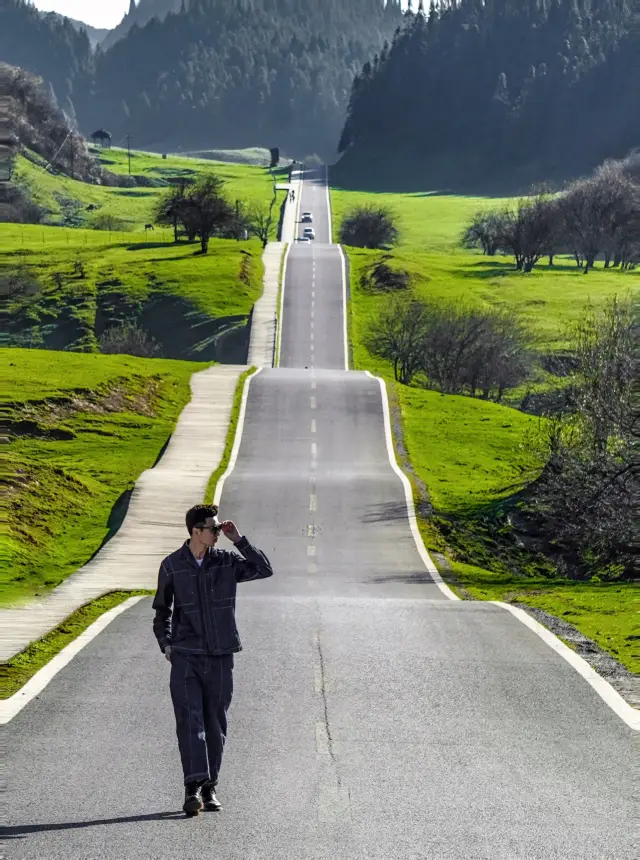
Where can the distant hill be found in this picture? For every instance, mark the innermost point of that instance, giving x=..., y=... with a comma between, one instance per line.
x=140, y=15
x=95, y=34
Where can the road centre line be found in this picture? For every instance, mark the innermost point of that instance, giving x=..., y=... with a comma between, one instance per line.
x=311, y=550
x=314, y=403
x=313, y=425
x=313, y=502
x=314, y=450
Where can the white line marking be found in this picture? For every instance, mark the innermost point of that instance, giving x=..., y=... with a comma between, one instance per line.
x=409, y=495
x=311, y=550
x=310, y=530
x=314, y=450
x=238, y=438
x=313, y=388
x=314, y=402
x=313, y=502
x=312, y=337
x=312, y=567
x=326, y=182
x=344, y=309
x=281, y=312
x=313, y=425
x=13, y=705
x=606, y=692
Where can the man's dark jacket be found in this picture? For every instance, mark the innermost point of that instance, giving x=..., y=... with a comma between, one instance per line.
x=195, y=606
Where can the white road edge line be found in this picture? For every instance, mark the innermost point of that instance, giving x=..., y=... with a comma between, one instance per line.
x=284, y=274
x=444, y=588
x=344, y=308
x=281, y=308
x=14, y=704
x=344, y=274
x=326, y=185
x=238, y=438
x=603, y=688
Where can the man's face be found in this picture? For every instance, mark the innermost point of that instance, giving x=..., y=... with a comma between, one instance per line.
x=210, y=531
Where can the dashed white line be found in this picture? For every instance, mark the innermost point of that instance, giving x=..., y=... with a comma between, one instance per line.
x=313, y=502
x=313, y=388
x=313, y=425
x=311, y=550
x=314, y=451
x=314, y=402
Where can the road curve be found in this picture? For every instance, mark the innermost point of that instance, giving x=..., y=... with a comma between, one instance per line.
x=373, y=719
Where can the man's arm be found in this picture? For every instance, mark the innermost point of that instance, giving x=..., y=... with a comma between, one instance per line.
x=254, y=565
x=163, y=605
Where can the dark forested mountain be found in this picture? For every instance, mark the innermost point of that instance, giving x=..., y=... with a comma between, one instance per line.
x=210, y=73
x=140, y=15
x=234, y=73
x=48, y=45
x=550, y=85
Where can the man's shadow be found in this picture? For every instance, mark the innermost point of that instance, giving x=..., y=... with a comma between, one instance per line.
x=22, y=830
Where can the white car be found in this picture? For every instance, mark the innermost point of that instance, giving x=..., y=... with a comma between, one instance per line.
x=304, y=239
x=309, y=232
x=307, y=218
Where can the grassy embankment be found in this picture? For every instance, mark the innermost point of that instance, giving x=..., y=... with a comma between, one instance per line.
x=133, y=206
x=86, y=280
x=83, y=428
x=470, y=453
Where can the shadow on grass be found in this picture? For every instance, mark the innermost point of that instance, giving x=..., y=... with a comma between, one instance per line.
x=145, y=246
x=19, y=831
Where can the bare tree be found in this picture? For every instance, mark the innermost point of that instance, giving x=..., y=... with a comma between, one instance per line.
x=260, y=221
x=597, y=212
x=397, y=335
x=585, y=498
x=483, y=232
x=526, y=230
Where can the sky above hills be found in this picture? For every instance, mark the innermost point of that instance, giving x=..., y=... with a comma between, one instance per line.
x=96, y=13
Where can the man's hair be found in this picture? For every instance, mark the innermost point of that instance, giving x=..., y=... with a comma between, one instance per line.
x=198, y=514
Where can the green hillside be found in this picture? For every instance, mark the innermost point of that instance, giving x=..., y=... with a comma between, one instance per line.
x=67, y=413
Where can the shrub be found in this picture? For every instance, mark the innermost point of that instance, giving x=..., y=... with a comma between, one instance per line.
x=369, y=227
x=129, y=339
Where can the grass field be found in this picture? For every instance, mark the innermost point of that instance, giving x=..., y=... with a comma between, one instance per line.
x=251, y=184
x=470, y=454
x=83, y=428
x=184, y=299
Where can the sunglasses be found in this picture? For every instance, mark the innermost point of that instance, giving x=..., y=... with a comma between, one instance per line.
x=214, y=529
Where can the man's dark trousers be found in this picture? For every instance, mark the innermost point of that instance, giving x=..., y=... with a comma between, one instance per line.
x=201, y=690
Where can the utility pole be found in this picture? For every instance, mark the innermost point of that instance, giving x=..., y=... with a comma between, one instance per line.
x=129, y=151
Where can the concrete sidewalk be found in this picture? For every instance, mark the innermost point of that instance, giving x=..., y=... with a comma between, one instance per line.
x=264, y=325
x=154, y=524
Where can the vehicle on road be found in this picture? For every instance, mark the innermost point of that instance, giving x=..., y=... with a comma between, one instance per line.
x=309, y=232
x=307, y=218
x=304, y=239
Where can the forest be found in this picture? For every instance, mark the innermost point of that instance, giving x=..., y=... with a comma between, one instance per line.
x=227, y=73
x=473, y=86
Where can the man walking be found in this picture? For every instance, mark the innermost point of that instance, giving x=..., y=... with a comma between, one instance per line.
x=196, y=629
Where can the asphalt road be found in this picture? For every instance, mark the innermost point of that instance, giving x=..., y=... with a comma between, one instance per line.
x=373, y=719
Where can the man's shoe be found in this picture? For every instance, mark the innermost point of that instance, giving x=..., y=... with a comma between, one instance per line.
x=192, y=799
x=209, y=798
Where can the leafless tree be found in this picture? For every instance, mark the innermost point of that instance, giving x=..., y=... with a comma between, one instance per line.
x=260, y=221
x=398, y=335
x=483, y=232
x=597, y=213
x=587, y=494
x=526, y=230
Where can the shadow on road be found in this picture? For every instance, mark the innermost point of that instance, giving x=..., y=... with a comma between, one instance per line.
x=389, y=511
x=419, y=577
x=22, y=830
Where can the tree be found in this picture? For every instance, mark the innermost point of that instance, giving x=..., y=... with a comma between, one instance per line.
x=397, y=335
x=205, y=210
x=170, y=206
x=526, y=230
x=483, y=232
x=369, y=227
x=259, y=221
x=585, y=498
